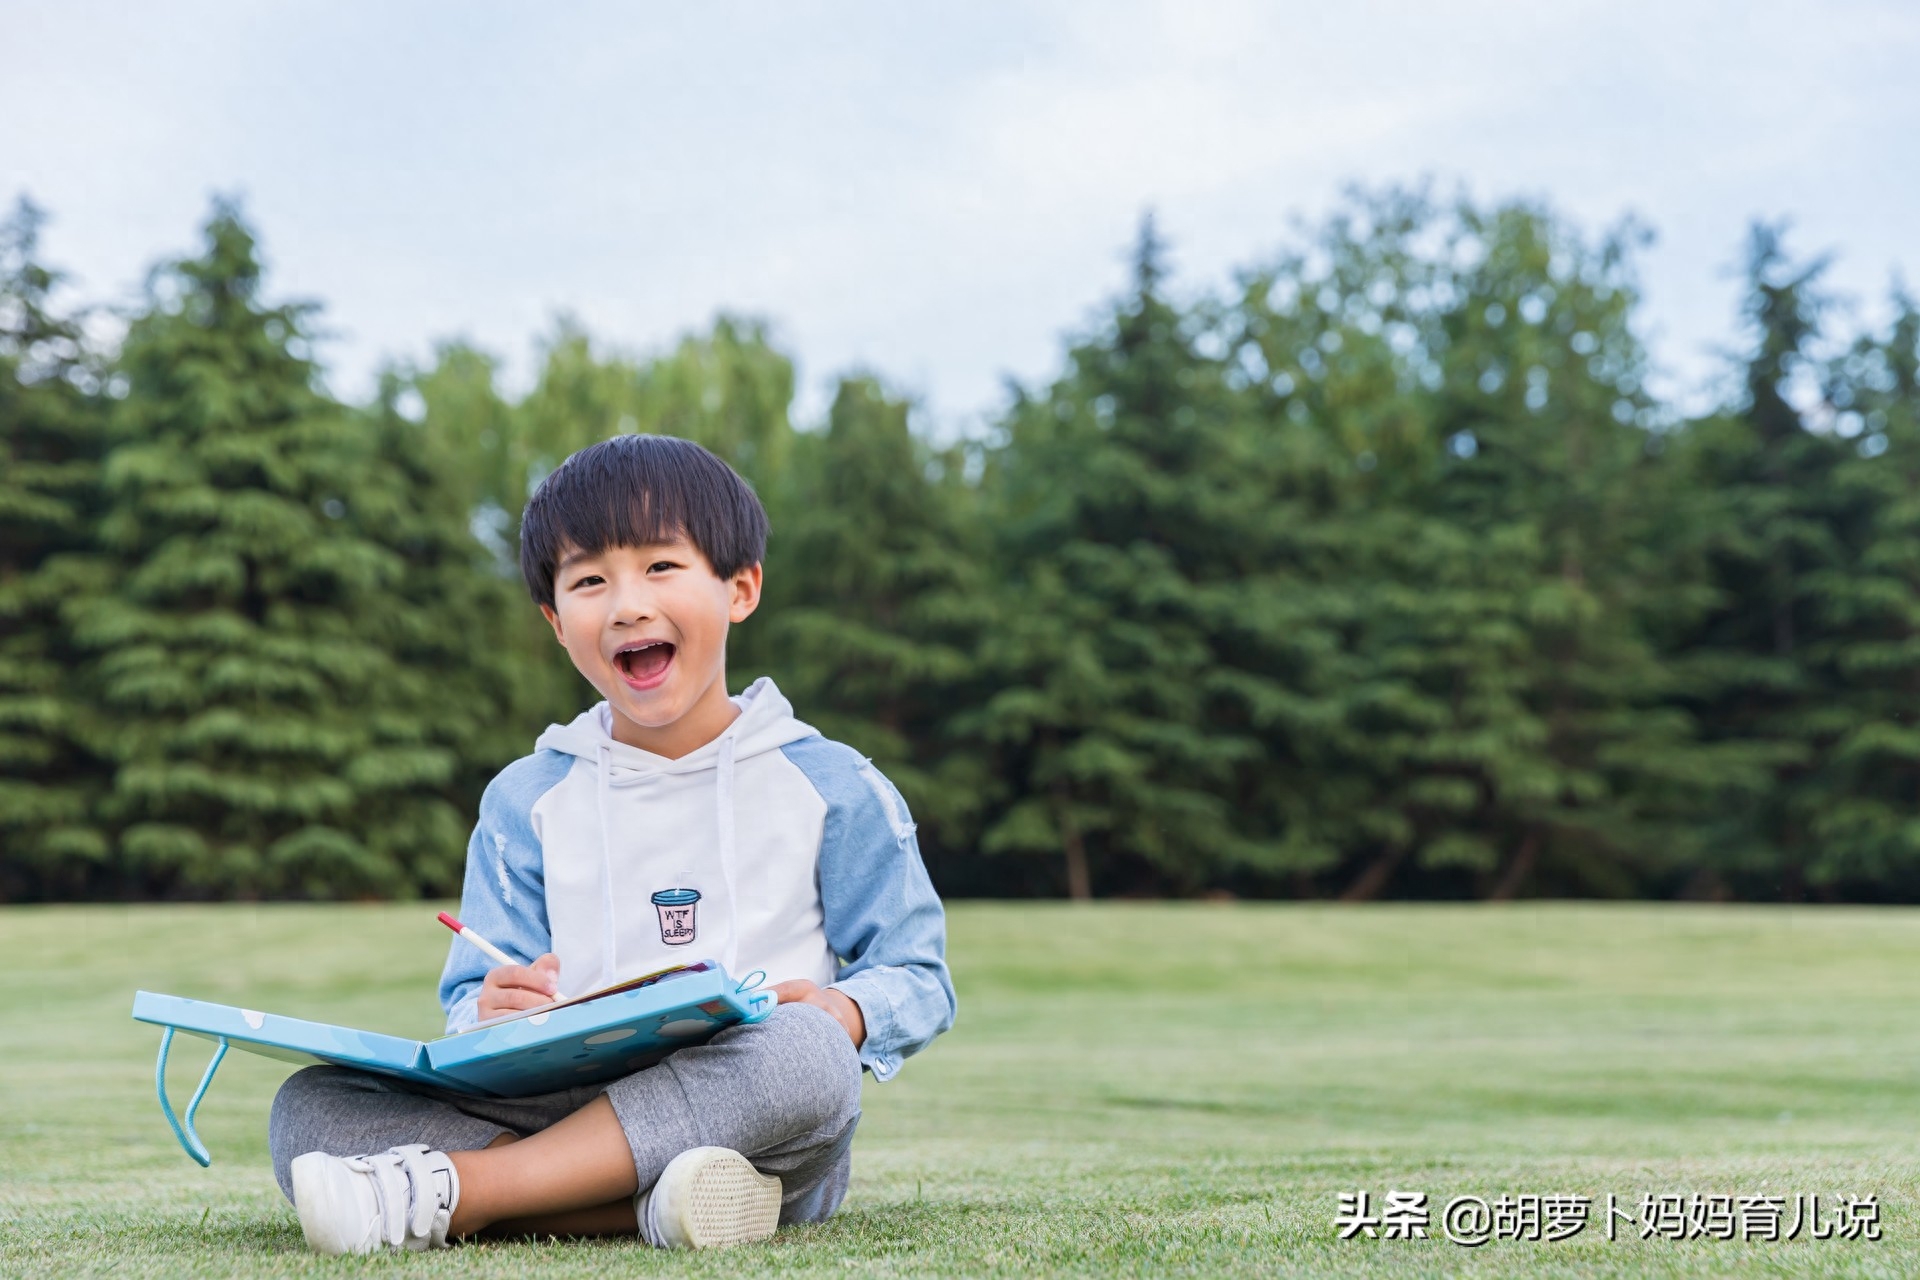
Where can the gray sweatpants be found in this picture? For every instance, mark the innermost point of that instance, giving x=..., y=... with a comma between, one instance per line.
x=785, y=1093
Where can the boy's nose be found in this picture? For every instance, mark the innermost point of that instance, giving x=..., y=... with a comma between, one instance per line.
x=633, y=606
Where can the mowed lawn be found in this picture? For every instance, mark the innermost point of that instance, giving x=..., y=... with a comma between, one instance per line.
x=1142, y=1089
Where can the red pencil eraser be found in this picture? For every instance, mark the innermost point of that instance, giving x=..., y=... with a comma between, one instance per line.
x=450, y=922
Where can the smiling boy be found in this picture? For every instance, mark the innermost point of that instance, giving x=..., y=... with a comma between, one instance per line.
x=669, y=822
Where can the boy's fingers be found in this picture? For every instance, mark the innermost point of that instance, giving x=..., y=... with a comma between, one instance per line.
x=510, y=977
x=794, y=990
x=518, y=998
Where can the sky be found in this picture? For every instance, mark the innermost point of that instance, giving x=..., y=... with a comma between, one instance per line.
x=938, y=193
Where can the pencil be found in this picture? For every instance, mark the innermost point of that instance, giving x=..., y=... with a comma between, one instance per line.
x=499, y=956
x=467, y=932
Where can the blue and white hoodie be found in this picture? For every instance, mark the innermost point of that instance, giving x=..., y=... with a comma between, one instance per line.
x=769, y=848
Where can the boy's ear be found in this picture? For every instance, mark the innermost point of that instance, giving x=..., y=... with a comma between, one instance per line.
x=746, y=594
x=553, y=620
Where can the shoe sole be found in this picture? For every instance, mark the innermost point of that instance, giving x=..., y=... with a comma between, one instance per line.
x=725, y=1200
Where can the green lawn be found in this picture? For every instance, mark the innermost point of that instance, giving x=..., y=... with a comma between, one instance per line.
x=1137, y=1089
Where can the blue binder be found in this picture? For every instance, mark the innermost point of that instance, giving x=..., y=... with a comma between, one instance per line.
x=589, y=1042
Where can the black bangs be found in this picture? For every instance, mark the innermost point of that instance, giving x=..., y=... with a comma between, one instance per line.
x=632, y=491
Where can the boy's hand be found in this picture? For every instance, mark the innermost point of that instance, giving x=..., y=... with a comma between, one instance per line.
x=844, y=1010
x=513, y=987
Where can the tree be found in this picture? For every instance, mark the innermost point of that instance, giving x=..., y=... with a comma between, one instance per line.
x=1554, y=471
x=874, y=573
x=275, y=697
x=1774, y=526
x=51, y=442
x=729, y=390
x=448, y=625
x=1472, y=639
x=1859, y=799
x=1121, y=499
x=1382, y=573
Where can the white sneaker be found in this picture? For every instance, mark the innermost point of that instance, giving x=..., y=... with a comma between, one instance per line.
x=402, y=1198
x=708, y=1196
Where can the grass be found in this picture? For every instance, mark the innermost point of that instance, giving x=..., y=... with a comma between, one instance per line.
x=1132, y=1089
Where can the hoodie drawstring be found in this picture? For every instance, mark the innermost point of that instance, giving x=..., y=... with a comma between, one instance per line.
x=723, y=821
x=765, y=724
x=608, y=942
x=723, y=801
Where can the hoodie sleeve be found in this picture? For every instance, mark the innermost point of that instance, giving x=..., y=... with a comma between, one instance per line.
x=883, y=919
x=504, y=896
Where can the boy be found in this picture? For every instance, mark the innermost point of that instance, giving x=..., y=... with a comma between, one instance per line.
x=669, y=822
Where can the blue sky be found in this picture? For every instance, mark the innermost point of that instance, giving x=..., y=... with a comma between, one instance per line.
x=937, y=193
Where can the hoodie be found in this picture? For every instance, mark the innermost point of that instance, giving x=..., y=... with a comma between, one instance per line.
x=770, y=848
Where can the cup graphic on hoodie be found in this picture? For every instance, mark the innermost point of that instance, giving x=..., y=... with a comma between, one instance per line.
x=676, y=908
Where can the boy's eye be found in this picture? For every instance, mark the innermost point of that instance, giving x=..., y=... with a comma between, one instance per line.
x=589, y=580
x=658, y=565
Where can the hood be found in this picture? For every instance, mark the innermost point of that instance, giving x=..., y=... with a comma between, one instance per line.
x=766, y=723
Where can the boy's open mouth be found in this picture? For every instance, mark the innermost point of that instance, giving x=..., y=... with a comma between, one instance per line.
x=644, y=663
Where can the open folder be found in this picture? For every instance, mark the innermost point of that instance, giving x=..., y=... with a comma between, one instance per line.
x=587, y=1040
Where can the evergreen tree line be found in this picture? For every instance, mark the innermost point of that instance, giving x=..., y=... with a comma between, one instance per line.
x=1381, y=572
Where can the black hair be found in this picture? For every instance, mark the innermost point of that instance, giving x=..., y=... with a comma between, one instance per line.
x=634, y=490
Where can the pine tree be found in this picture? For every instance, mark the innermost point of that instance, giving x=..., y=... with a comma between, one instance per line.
x=486, y=462
x=1774, y=525
x=51, y=442
x=453, y=689
x=275, y=699
x=1122, y=501
x=1858, y=802
x=874, y=571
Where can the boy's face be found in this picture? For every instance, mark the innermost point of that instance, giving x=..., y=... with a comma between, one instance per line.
x=647, y=626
